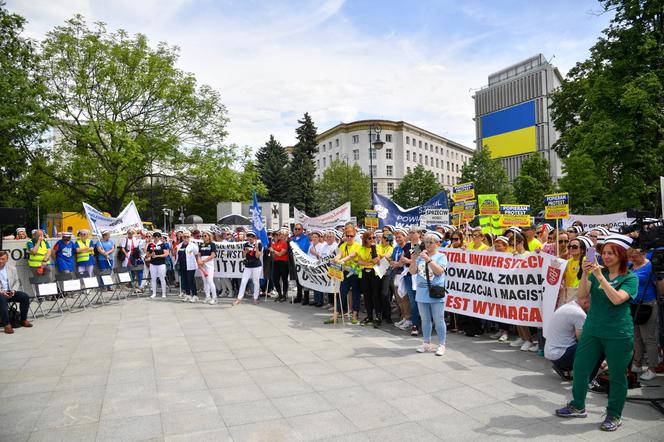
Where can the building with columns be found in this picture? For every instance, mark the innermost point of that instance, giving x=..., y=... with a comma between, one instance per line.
x=405, y=147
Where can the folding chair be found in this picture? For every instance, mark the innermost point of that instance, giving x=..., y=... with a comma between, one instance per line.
x=136, y=268
x=42, y=287
x=70, y=285
x=122, y=277
x=105, y=280
x=50, y=289
x=91, y=286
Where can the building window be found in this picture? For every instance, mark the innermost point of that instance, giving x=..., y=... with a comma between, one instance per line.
x=375, y=187
x=436, y=149
x=323, y=162
x=457, y=167
x=419, y=144
x=388, y=154
x=407, y=155
x=317, y=164
x=448, y=180
x=388, y=170
x=374, y=170
x=448, y=166
x=356, y=155
x=323, y=147
x=456, y=155
x=388, y=138
x=373, y=154
x=330, y=144
x=330, y=160
x=336, y=142
x=437, y=162
x=420, y=158
x=390, y=188
x=407, y=140
x=356, y=139
x=407, y=169
x=426, y=160
x=336, y=156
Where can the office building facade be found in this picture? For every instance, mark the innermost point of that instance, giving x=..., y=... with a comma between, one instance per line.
x=406, y=146
x=512, y=116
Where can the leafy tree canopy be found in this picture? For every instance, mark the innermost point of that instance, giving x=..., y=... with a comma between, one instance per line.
x=340, y=183
x=533, y=183
x=488, y=175
x=417, y=187
x=610, y=111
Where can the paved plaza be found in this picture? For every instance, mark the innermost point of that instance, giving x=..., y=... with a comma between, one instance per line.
x=146, y=369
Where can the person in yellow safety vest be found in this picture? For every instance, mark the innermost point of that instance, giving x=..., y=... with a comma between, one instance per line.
x=84, y=248
x=39, y=253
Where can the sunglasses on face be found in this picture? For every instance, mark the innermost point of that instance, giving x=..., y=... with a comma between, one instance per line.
x=350, y=236
x=371, y=238
x=573, y=246
x=456, y=239
x=563, y=241
x=477, y=235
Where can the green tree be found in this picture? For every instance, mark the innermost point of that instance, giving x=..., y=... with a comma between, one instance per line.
x=125, y=113
x=416, y=188
x=211, y=183
x=303, y=169
x=22, y=113
x=533, y=183
x=272, y=165
x=340, y=183
x=584, y=184
x=610, y=108
x=488, y=175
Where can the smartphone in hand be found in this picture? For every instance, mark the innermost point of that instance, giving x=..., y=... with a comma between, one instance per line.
x=591, y=255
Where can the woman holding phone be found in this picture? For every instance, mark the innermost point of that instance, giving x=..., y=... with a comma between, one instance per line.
x=608, y=329
x=253, y=267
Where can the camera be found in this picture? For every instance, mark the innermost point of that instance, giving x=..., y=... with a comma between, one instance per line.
x=650, y=238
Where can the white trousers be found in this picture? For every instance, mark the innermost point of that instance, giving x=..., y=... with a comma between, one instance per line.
x=158, y=272
x=209, y=288
x=225, y=286
x=85, y=268
x=255, y=274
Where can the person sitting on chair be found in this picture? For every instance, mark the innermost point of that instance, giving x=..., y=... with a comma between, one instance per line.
x=9, y=282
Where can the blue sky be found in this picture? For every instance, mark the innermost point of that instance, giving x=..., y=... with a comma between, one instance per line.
x=417, y=61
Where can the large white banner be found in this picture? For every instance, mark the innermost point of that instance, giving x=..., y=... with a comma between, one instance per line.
x=229, y=262
x=610, y=220
x=340, y=215
x=513, y=289
x=312, y=273
x=128, y=218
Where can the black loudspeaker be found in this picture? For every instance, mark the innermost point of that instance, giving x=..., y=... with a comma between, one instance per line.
x=10, y=215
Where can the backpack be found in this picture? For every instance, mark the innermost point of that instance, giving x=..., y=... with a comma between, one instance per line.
x=14, y=317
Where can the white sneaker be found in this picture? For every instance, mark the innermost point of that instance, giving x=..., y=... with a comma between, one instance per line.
x=407, y=325
x=153, y=296
x=503, y=338
x=424, y=348
x=526, y=346
x=497, y=335
x=648, y=375
x=186, y=298
x=637, y=369
x=441, y=350
x=398, y=324
x=534, y=347
x=163, y=296
x=518, y=343
x=193, y=299
x=213, y=301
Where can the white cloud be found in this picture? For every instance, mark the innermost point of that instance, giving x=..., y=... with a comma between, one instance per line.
x=273, y=61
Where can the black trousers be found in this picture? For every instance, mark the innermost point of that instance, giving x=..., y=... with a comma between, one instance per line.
x=188, y=282
x=280, y=277
x=371, y=288
x=302, y=294
x=386, y=291
x=23, y=300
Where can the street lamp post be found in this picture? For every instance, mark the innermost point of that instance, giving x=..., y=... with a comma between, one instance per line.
x=378, y=145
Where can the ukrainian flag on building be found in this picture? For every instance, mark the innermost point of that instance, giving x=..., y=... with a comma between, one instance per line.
x=510, y=131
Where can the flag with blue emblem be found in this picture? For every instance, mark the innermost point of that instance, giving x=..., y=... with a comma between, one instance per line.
x=257, y=224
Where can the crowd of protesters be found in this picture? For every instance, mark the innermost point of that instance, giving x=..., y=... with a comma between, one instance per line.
x=607, y=314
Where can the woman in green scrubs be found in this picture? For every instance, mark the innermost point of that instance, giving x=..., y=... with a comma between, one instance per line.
x=608, y=330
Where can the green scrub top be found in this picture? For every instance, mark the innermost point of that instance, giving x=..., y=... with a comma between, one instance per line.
x=606, y=320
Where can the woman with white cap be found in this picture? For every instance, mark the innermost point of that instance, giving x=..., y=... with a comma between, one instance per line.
x=185, y=259
x=253, y=267
x=84, y=248
x=608, y=330
x=573, y=272
x=501, y=244
x=207, y=253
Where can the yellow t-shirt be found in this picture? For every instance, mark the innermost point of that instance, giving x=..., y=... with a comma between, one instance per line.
x=571, y=272
x=481, y=247
x=364, y=254
x=384, y=250
x=349, y=250
x=534, y=244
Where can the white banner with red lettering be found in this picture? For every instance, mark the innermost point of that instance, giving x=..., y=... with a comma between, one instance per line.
x=502, y=287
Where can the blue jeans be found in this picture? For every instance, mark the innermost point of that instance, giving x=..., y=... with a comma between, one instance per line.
x=433, y=313
x=318, y=297
x=350, y=282
x=414, y=311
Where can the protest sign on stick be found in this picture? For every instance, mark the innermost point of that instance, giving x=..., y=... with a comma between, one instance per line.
x=463, y=192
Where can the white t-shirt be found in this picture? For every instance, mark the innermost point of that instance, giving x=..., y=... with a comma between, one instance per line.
x=190, y=252
x=324, y=249
x=562, y=330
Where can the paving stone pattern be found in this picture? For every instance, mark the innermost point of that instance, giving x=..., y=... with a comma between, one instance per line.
x=146, y=369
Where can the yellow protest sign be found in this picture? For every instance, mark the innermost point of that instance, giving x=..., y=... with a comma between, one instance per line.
x=488, y=204
x=463, y=192
x=556, y=206
x=469, y=210
x=515, y=215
